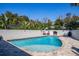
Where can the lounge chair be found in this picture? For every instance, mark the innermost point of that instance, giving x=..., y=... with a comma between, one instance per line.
x=46, y=33
x=75, y=50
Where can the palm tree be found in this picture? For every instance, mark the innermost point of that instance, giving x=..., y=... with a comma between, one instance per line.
x=4, y=21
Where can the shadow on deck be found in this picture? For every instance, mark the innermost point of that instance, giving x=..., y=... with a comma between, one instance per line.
x=6, y=49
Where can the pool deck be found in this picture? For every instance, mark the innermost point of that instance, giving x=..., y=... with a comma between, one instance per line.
x=65, y=50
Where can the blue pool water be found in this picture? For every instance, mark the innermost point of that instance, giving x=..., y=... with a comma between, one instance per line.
x=40, y=44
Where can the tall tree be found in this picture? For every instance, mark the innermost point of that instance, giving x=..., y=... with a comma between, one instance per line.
x=49, y=24
x=4, y=21
x=58, y=23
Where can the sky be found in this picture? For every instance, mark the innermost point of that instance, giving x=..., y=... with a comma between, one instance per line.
x=40, y=10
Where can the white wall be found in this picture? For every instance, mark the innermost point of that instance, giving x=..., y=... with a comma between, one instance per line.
x=75, y=34
x=13, y=34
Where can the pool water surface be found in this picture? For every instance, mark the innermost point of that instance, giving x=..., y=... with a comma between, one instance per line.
x=38, y=44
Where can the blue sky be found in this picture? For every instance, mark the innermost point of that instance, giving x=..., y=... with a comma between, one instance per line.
x=40, y=10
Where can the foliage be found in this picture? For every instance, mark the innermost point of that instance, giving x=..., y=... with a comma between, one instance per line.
x=11, y=20
x=58, y=24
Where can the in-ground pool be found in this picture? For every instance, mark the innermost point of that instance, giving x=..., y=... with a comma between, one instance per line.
x=38, y=44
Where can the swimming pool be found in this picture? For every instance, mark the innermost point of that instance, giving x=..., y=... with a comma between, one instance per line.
x=38, y=44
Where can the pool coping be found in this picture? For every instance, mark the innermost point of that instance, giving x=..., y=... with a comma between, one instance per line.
x=29, y=38
x=25, y=38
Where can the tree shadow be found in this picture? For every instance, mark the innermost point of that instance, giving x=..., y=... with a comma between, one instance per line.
x=7, y=49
